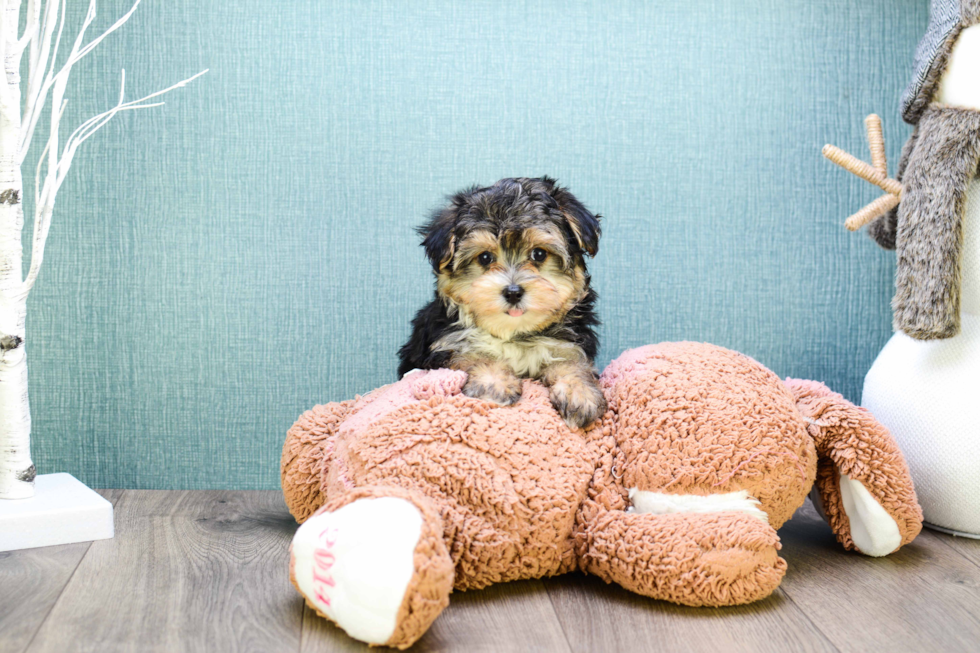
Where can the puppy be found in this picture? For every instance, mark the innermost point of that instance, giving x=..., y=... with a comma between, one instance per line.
x=512, y=296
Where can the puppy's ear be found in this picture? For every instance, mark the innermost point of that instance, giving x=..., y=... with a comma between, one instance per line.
x=584, y=224
x=438, y=237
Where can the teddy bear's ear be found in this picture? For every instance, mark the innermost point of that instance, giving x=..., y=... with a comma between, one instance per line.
x=583, y=223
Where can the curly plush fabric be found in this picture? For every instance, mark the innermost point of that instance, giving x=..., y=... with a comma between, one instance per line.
x=852, y=442
x=694, y=419
x=306, y=456
x=699, y=419
x=710, y=559
x=507, y=493
x=507, y=482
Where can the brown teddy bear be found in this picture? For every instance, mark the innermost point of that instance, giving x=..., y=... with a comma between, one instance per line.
x=675, y=493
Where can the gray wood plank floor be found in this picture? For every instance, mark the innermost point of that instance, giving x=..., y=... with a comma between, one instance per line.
x=207, y=571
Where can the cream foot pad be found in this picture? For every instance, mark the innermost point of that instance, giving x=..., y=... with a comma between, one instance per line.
x=355, y=564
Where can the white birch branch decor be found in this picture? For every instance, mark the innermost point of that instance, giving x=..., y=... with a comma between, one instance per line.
x=22, y=106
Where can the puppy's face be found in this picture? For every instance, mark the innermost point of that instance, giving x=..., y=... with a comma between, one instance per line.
x=510, y=257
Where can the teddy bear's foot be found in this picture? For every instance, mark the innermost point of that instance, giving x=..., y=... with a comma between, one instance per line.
x=376, y=566
x=699, y=559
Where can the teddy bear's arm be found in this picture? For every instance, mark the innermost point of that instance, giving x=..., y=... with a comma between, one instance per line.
x=709, y=559
x=307, y=449
x=863, y=487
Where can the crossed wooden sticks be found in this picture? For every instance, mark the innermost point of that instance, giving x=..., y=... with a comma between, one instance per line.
x=877, y=174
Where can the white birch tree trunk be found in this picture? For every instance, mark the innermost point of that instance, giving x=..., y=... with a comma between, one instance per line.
x=16, y=469
x=47, y=80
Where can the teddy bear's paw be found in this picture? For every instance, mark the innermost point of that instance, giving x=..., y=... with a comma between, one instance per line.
x=354, y=564
x=498, y=385
x=692, y=558
x=579, y=401
x=872, y=530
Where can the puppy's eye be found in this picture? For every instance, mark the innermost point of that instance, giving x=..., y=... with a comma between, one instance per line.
x=485, y=259
x=538, y=255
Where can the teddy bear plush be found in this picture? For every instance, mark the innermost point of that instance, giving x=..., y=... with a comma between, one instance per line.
x=676, y=493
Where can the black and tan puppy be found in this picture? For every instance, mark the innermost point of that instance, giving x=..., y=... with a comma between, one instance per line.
x=512, y=295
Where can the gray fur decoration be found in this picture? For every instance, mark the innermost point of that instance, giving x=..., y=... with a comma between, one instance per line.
x=941, y=162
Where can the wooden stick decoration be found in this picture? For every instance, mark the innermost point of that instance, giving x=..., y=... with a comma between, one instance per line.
x=876, y=173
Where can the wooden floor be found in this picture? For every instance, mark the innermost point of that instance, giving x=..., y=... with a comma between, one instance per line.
x=207, y=571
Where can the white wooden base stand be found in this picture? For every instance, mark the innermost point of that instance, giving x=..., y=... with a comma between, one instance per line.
x=63, y=510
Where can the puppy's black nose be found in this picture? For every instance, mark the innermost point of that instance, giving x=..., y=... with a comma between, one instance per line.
x=513, y=293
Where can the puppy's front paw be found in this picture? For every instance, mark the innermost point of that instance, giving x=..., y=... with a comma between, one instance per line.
x=497, y=385
x=578, y=401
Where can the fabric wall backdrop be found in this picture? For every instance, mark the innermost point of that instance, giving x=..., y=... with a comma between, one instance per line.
x=220, y=264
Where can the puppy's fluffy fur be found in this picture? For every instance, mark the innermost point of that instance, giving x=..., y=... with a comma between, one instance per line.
x=512, y=297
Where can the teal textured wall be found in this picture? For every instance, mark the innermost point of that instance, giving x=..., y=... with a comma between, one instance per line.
x=223, y=263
